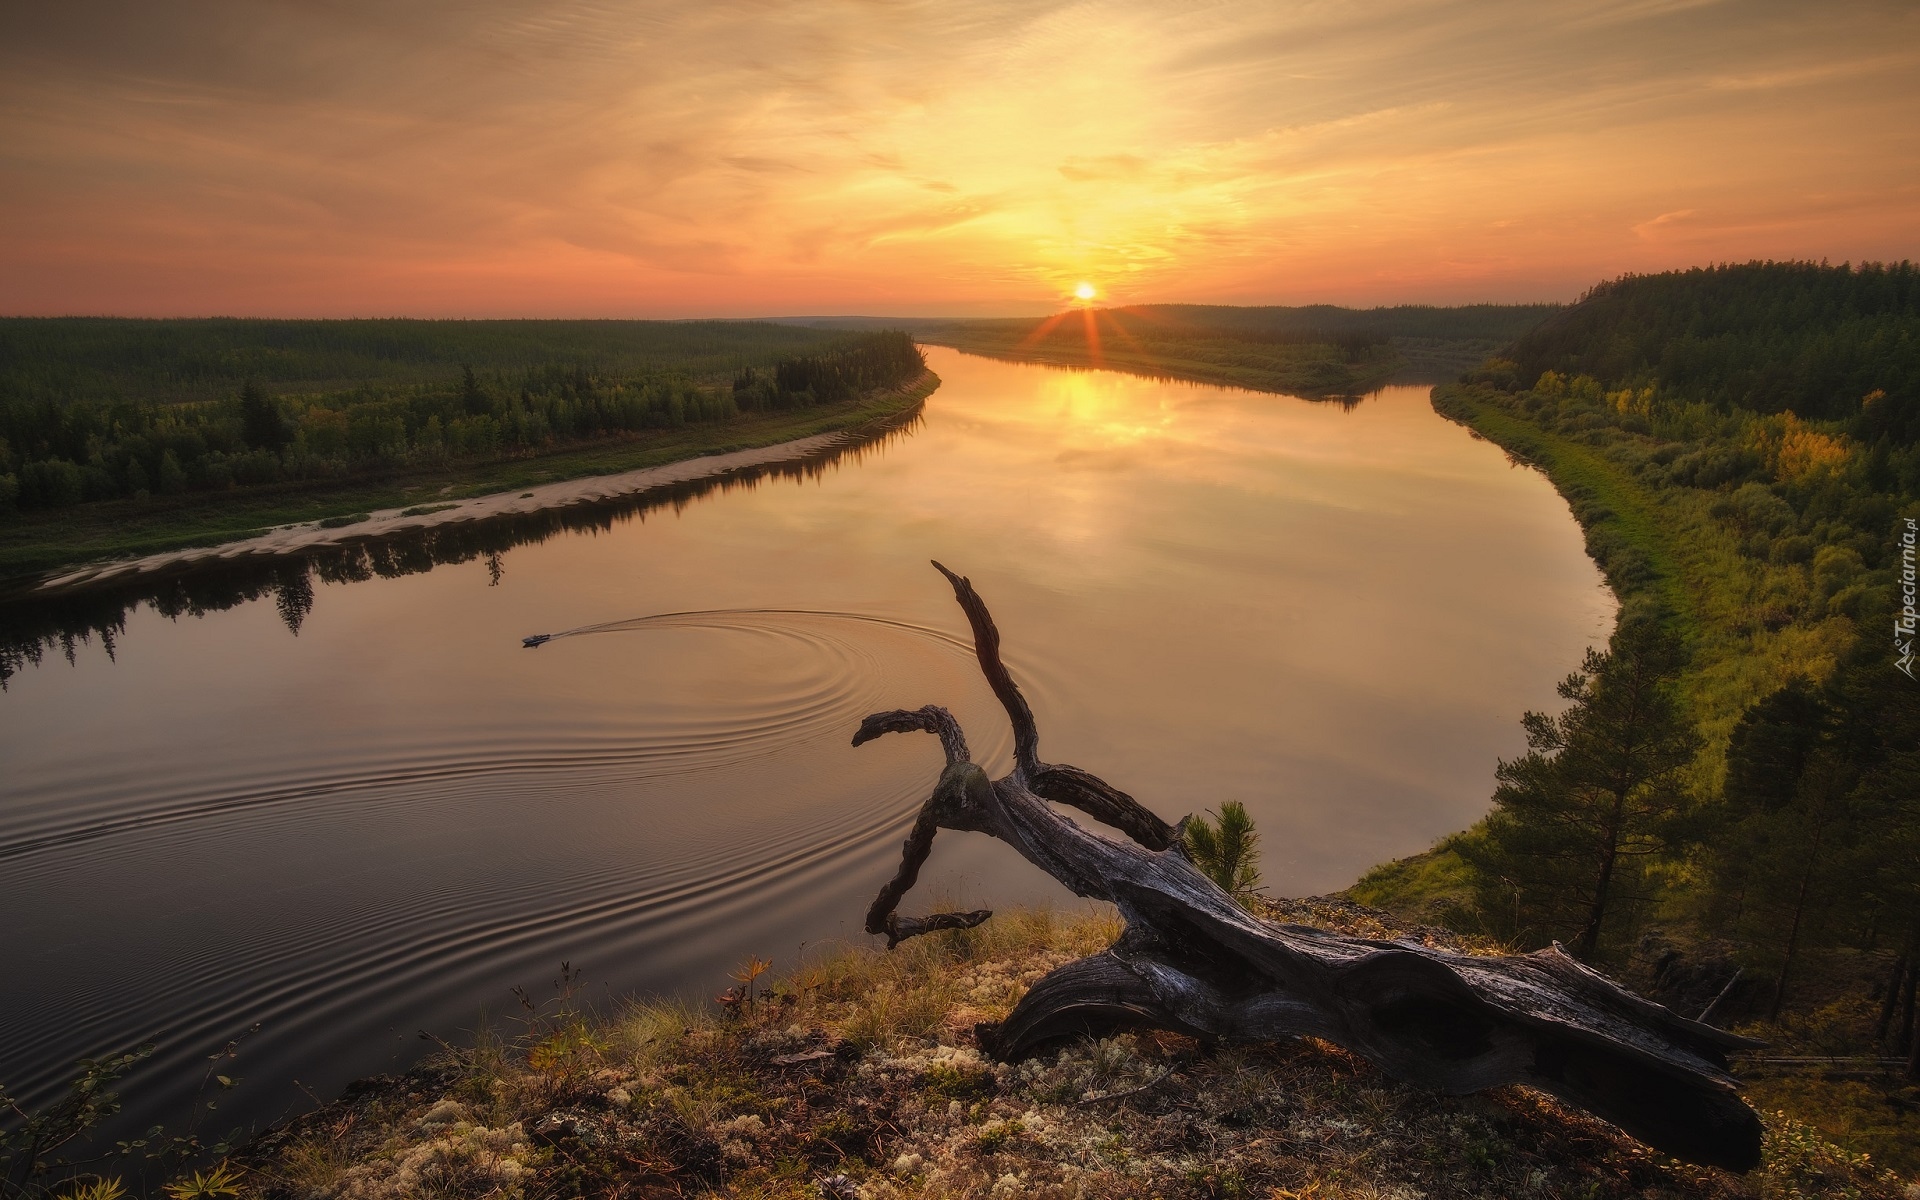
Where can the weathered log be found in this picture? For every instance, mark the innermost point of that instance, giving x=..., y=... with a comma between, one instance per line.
x=1193, y=961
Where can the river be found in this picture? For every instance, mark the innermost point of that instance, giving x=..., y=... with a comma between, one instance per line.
x=381, y=823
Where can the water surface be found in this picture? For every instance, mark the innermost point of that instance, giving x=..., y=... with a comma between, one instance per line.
x=1333, y=614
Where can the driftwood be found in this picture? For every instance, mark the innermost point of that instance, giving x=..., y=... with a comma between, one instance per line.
x=1193, y=961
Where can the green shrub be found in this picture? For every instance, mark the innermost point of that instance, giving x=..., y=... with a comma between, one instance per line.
x=51, y=483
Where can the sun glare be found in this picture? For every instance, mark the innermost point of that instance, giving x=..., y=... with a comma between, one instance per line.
x=1084, y=291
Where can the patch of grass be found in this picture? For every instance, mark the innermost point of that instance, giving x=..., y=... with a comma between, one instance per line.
x=1625, y=533
x=669, y=1099
x=1664, y=550
x=422, y=510
x=343, y=522
x=1434, y=888
x=1879, y=1118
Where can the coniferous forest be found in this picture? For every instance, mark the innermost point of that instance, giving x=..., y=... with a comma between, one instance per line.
x=1730, y=804
x=98, y=409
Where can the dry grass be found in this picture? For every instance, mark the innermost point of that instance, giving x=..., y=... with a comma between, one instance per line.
x=856, y=1075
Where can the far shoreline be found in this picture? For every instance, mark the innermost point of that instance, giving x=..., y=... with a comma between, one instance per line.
x=509, y=500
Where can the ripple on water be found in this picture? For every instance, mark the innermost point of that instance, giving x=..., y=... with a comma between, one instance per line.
x=358, y=957
x=813, y=674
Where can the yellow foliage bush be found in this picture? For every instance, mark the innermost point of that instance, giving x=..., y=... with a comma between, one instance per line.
x=1794, y=450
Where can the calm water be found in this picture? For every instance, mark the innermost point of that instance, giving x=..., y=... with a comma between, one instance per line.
x=380, y=825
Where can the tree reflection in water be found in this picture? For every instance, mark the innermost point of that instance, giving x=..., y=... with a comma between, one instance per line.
x=35, y=622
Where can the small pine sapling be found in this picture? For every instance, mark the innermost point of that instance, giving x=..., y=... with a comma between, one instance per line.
x=1226, y=850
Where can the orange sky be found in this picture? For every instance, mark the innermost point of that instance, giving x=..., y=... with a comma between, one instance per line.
x=648, y=158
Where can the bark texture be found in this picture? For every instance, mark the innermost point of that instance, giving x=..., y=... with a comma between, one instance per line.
x=1193, y=961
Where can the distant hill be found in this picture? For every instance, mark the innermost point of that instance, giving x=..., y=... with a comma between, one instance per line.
x=1494, y=322
x=69, y=359
x=1408, y=342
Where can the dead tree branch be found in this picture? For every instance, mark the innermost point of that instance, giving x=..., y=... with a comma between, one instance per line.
x=1193, y=961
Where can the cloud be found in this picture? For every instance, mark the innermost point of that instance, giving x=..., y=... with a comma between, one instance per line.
x=666, y=156
x=1653, y=226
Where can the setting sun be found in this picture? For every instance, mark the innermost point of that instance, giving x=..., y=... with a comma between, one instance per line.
x=1084, y=291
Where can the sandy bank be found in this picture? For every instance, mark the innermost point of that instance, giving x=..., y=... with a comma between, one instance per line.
x=427, y=513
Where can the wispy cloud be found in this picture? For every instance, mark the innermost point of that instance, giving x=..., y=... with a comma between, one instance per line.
x=663, y=156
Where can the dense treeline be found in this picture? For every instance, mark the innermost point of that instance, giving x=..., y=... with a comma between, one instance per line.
x=1499, y=322
x=57, y=451
x=1743, y=761
x=1804, y=338
x=877, y=360
x=107, y=359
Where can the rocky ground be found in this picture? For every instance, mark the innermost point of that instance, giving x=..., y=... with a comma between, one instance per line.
x=856, y=1076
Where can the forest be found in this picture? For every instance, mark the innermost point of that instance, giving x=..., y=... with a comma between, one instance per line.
x=101, y=409
x=1729, y=807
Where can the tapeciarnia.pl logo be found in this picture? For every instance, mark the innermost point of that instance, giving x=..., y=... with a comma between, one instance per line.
x=1904, y=621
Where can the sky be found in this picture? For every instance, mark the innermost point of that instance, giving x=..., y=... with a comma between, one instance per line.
x=656, y=158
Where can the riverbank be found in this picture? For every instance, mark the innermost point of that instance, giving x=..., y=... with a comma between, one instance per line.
x=1752, y=620
x=858, y=1076
x=119, y=538
x=1758, y=540
x=1317, y=351
x=1625, y=534
x=1310, y=371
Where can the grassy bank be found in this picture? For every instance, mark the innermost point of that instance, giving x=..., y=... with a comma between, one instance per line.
x=1625, y=533
x=857, y=1075
x=34, y=542
x=1741, y=448
x=1751, y=623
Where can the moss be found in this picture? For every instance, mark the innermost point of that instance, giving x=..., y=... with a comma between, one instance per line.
x=776, y=1101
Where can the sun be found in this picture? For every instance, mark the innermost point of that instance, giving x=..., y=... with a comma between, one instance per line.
x=1084, y=291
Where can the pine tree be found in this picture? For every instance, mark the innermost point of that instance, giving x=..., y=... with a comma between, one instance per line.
x=261, y=424
x=172, y=478
x=1819, y=829
x=293, y=597
x=472, y=398
x=1598, y=791
x=1227, y=852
